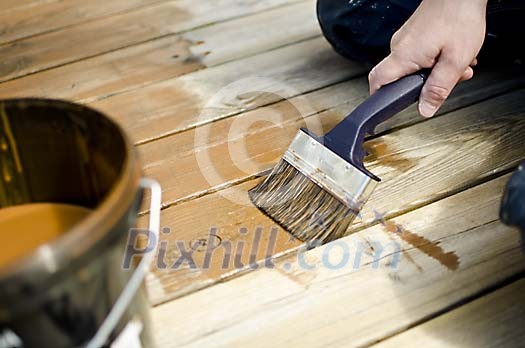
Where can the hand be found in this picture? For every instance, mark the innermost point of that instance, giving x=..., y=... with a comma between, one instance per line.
x=445, y=35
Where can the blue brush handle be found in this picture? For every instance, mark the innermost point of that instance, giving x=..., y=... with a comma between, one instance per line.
x=346, y=139
x=512, y=211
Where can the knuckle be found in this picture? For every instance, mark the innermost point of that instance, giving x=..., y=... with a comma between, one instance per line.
x=394, y=41
x=427, y=60
x=397, y=55
x=456, y=61
x=401, y=38
x=400, y=58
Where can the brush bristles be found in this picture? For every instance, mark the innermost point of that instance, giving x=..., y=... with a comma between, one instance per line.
x=300, y=206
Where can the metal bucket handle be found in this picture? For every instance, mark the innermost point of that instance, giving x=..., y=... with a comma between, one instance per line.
x=137, y=277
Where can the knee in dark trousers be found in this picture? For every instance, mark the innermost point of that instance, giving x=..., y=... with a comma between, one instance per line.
x=362, y=29
x=505, y=33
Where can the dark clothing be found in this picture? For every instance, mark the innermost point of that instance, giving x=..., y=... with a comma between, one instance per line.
x=362, y=29
x=512, y=210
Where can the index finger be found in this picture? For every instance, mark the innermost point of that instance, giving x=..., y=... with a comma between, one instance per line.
x=389, y=70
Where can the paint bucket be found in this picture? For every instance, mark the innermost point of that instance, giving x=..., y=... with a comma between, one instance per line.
x=73, y=291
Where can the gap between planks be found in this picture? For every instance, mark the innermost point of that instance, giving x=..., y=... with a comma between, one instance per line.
x=496, y=319
x=43, y=52
x=21, y=23
x=467, y=147
x=144, y=64
x=362, y=305
x=195, y=99
x=16, y=4
x=335, y=101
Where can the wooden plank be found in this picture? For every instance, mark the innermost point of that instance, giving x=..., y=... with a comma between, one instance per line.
x=181, y=163
x=21, y=22
x=359, y=302
x=165, y=58
x=494, y=320
x=194, y=99
x=15, y=4
x=108, y=74
x=250, y=35
x=221, y=223
x=477, y=142
x=108, y=34
x=418, y=165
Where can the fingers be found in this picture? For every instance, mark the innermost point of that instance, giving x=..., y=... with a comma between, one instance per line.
x=389, y=70
x=444, y=76
x=467, y=74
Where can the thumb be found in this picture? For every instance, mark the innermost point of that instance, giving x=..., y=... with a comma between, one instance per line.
x=444, y=76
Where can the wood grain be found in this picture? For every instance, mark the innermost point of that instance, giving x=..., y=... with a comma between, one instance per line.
x=418, y=165
x=96, y=37
x=20, y=22
x=354, y=305
x=212, y=93
x=230, y=225
x=165, y=58
x=436, y=158
x=110, y=73
x=253, y=34
x=194, y=99
x=16, y=4
x=494, y=320
x=228, y=151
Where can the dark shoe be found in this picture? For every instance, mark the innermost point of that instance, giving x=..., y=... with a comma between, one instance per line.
x=512, y=211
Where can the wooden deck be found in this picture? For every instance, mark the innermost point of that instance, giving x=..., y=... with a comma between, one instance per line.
x=212, y=92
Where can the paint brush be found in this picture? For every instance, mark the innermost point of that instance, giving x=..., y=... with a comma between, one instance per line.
x=321, y=184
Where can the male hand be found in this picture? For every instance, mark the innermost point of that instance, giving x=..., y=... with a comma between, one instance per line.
x=445, y=35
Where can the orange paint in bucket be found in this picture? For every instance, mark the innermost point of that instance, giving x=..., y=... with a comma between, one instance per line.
x=70, y=190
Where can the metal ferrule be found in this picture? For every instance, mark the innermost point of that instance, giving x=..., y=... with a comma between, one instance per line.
x=331, y=172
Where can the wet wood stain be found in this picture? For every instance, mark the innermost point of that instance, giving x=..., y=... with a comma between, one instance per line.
x=448, y=259
x=379, y=150
x=407, y=256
